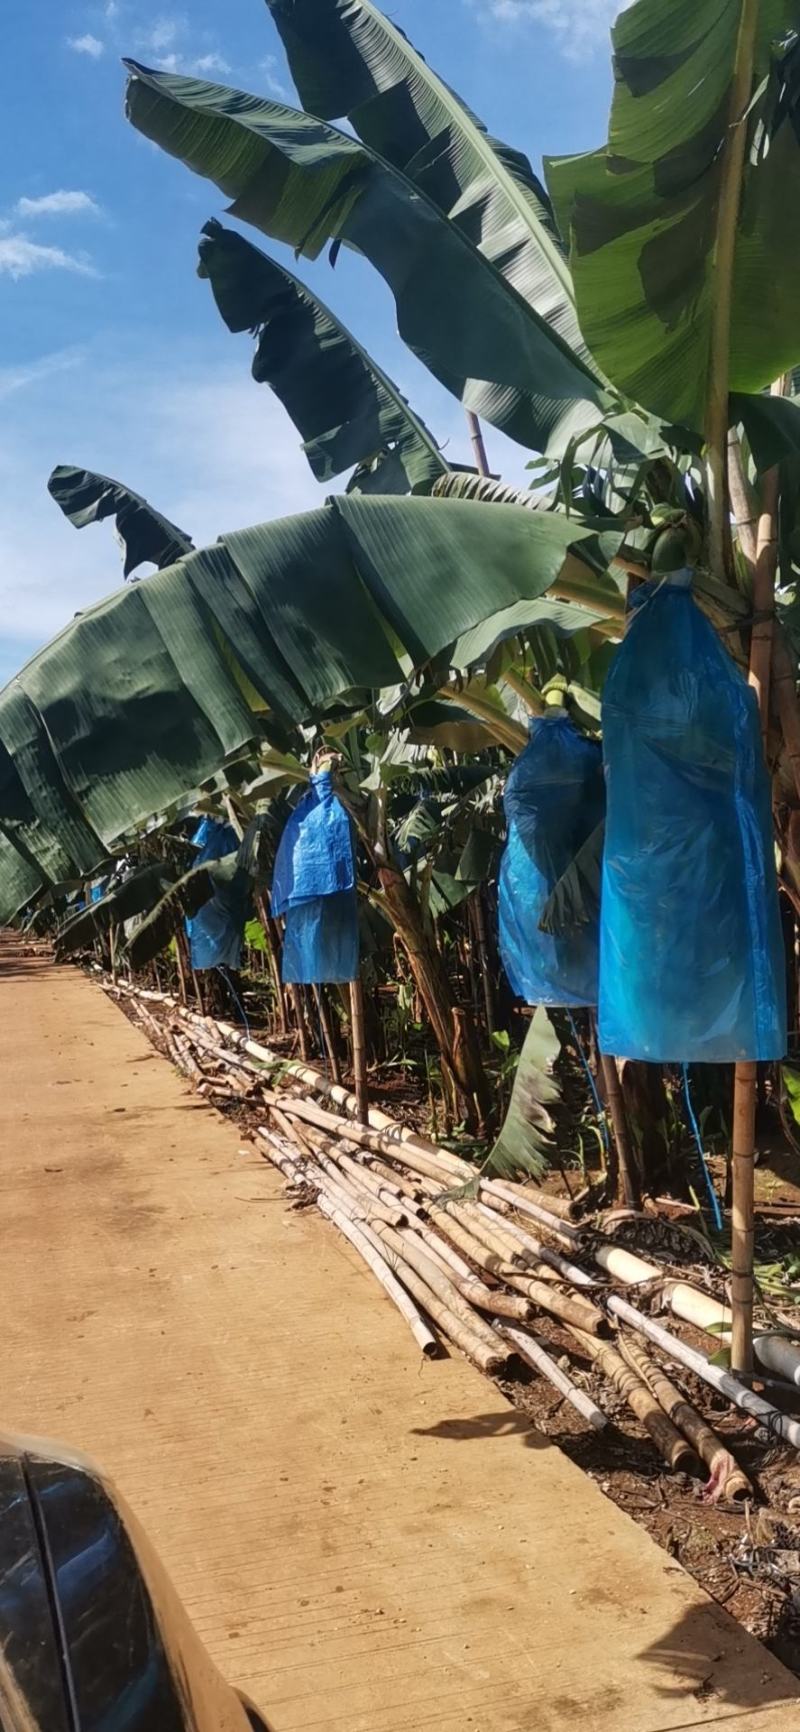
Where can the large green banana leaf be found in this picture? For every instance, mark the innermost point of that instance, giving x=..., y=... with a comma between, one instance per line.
x=304, y=182
x=346, y=58
x=347, y=410
x=145, y=535
x=145, y=696
x=642, y=214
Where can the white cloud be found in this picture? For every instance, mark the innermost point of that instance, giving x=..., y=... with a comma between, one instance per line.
x=21, y=257
x=41, y=370
x=209, y=63
x=87, y=44
x=58, y=204
x=579, y=26
x=162, y=34
x=275, y=85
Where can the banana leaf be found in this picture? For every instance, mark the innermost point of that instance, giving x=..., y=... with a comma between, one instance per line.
x=145, y=696
x=642, y=214
x=304, y=182
x=179, y=901
x=348, y=411
x=145, y=536
x=122, y=902
x=575, y=897
x=346, y=58
x=525, y=1142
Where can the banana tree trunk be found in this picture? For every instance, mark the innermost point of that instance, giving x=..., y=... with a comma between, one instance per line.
x=453, y=1032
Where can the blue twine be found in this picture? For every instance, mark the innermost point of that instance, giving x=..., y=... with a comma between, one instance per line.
x=599, y=1108
x=712, y=1195
x=221, y=969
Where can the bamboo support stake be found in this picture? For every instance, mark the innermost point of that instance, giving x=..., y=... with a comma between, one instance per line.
x=619, y=1126
x=535, y=1356
x=742, y=1228
x=726, y=1477
x=359, y=1049
x=327, y=1032
x=676, y=1450
x=482, y=944
x=776, y=1424
x=296, y=995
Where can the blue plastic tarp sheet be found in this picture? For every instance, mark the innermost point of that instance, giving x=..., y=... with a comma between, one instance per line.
x=554, y=799
x=320, y=940
x=315, y=853
x=313, y=886
x=216, y=932
x=691, y=955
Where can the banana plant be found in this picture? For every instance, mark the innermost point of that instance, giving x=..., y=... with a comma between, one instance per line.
x=144, y=535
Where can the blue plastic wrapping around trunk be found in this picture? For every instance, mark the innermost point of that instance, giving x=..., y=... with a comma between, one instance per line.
x=313, y=886
x=215, y=933
x=691, y=955
x=554, y=799
x=320, y=940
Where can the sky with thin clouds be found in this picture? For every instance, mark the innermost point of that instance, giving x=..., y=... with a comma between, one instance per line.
x=112, y=355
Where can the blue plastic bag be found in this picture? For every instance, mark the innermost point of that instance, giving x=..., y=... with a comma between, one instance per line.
x=691, y=954
x=216, y=932
x=554, y=799
x=313, y=886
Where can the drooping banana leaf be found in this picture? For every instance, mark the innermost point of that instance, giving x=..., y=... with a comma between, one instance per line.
x=145, y=696
x=642, y=214
x=304, y=182
x=526, y=1139
x=123, y=901
x=575, y=897
x=179, y=901
x=347, y=58
x=145, y=536
x=348, y=411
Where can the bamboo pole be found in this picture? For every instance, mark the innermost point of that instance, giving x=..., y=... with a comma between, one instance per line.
x=561, y=1229
x=359, y=1049
x=551, y=1259
x=726, y=1476
x=296, y=995
x=619, y=1125
x=476, y=440
x=462, y=1331
x=350, y=1230
x=482, y=944
x=534, y=1355
x=327, y=1032
x=568, y=1307
x=676, y=1450
x=776, y=1424
x=728, y=201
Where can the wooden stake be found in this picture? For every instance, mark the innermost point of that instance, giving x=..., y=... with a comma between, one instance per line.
x=327, y=1031
x=619, y=1125
x=359, y=1048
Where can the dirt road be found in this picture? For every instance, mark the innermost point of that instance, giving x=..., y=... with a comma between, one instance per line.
x=367, y=1543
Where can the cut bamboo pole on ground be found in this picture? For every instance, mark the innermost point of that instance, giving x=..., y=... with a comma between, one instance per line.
x=675, y=1449
x=726, y=1477
x=534, y=1355
x=775, y=1424
x=567, y=1307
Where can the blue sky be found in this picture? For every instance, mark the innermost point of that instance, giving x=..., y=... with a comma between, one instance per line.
x=112, y=355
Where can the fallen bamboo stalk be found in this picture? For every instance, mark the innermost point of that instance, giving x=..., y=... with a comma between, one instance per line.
x=553, y=1259
x=676, y=1450
x=451, y=1324
x=726, y=1476
x=501, y=1244
x=371, y=1207
x=775, y=1424
x=497, y=1302
x=535, y=1356
x=280, y=1157
x=364, y=1135
x=350, y=1230
x=560, y=1206
x=442, y=1285
x=560, y=1228
x=569, y=1307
